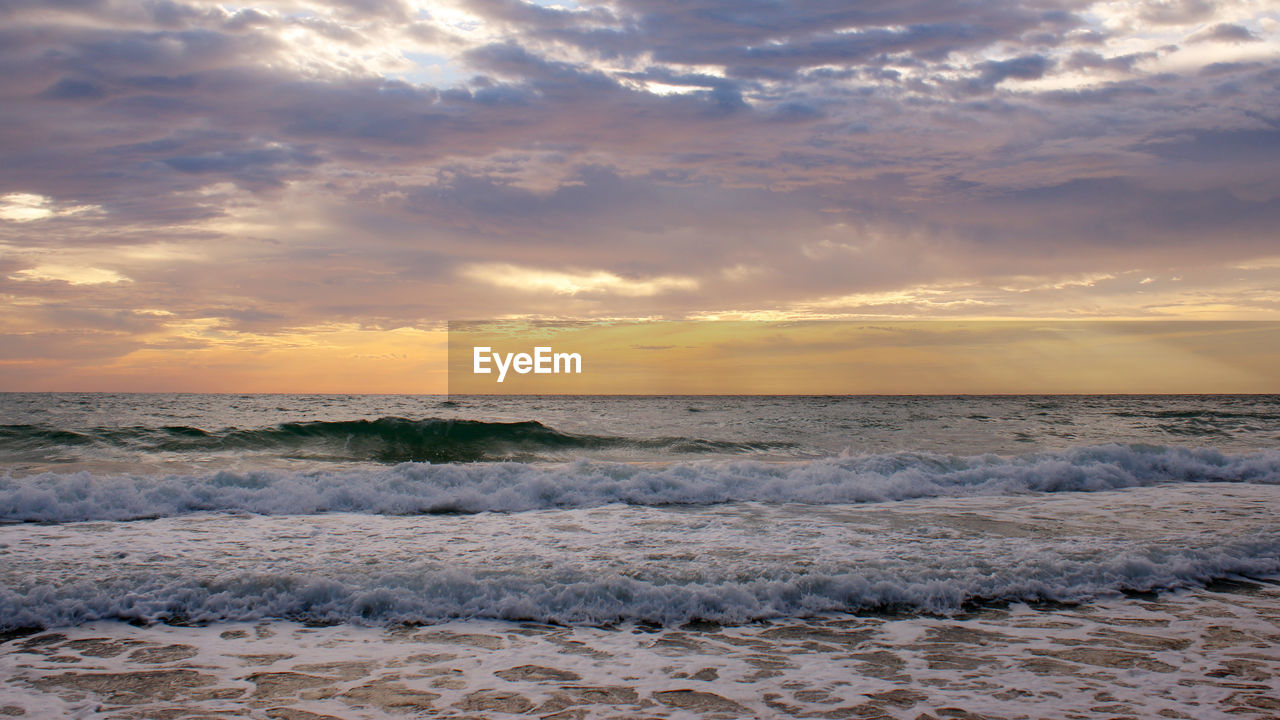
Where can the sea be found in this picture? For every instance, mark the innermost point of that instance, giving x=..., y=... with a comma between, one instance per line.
x=313, y=556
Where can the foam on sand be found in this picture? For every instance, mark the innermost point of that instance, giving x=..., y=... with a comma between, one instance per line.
x=1204, y=654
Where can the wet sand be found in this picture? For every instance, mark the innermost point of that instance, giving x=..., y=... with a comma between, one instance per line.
x=1188, y=654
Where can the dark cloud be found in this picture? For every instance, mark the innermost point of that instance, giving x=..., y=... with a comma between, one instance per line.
x=1225, y=32
x=252, y=168
x=1123, y=211
x=1089, y=60
x=775, y=40
x=73, y=89
x=992, y=73
x=1102, y=94
x=1227, y=68
x=1216, y=145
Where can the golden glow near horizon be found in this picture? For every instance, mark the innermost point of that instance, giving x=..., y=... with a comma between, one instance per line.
x=707, y=356
x=894, y=357
x=199, y=356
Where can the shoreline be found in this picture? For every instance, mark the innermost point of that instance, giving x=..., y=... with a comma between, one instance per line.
x=1206, y=653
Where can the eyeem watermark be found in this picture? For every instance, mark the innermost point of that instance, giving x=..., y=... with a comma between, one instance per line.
x=543, y=361
x=857, y=357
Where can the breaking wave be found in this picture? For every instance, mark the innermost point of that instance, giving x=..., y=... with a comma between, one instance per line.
x=416, y=488
x=557, y=596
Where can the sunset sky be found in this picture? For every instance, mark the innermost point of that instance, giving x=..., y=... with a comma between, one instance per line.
x=296, y=196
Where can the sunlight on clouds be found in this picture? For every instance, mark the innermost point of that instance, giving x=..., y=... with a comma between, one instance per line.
x=741, y=272
x=556, y=4
x=312, y=53
x=458, y=19
x=1135, y=29
x=572, y=282
x=28, y=207
x=70, y=274
x=1129, y=295
x=430, y=69
x=24, y=207
x=1182, y=41
x=658, y=88
x=163, y=252
x=320, y=40
x=1271, y=263
x=252, y=215
x=1023, y=284
x=1194, y=57
x=934, y=297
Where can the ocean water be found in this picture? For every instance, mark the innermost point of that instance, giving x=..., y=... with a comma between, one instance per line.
x=606, y=510
x=297, y=556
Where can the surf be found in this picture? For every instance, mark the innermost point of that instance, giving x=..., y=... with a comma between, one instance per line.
x=411, y=488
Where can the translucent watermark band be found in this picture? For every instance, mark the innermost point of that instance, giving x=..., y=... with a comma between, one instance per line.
x=843, y=357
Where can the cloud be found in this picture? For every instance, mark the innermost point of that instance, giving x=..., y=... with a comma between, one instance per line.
x=71, y=275
x=289, y=164
x=24, y=207
x=572, y=282
x=1215, y=145
x=1089, y=60
x=29, y=207
x=1176, y=12
x=992, y=73
x=256, y=167
x=1224, y=32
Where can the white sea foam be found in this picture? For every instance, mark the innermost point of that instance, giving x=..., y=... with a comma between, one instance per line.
x=462, y=594
x=410, y=488
x=728, y=563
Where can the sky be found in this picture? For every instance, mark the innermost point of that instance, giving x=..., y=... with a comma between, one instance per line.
x=298, y=195
x=860, y=357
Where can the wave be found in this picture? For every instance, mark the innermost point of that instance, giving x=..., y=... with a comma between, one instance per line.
x=387, y=440
x=552, y=597
x=414, y=488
